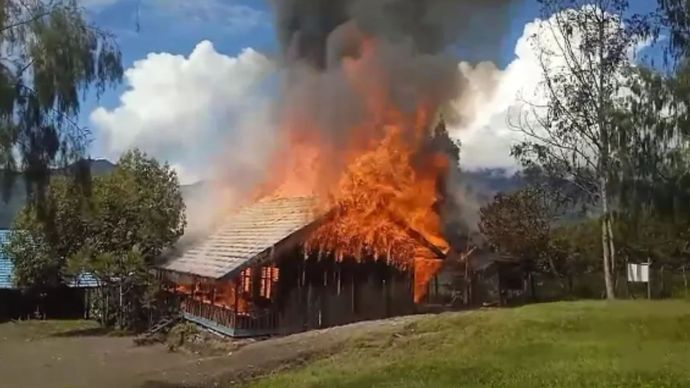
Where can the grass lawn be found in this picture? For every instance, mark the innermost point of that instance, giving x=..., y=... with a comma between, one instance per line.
x=568, y=344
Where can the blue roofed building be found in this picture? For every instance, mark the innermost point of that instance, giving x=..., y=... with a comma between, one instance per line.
x=71, y=300
x=6, y=267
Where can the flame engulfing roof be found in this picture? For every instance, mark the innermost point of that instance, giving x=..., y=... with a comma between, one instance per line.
x=244, y=236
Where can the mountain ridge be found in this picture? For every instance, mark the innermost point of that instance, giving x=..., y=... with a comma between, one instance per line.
x=481, y=185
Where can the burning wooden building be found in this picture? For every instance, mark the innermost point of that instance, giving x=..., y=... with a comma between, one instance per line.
x=260, y=274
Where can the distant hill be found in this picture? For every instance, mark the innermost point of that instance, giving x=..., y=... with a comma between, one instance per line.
x=17, y=198
x=482, y=185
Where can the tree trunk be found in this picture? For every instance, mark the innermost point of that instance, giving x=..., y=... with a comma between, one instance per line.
x=120, y=313
x=606, y=246
x=603, y=167
x=612, y=252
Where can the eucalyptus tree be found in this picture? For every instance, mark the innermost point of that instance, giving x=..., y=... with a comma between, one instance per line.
x=585, y=50
x=50, y=56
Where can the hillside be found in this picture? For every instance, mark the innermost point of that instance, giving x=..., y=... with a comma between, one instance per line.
x=580, y=344
x=18, y=192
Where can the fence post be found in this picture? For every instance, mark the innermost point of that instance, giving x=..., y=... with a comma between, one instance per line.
x=649, y=280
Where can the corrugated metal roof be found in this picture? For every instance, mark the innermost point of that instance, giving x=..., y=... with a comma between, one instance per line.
x=245, y=234
x=6, y=267
x=84, y=280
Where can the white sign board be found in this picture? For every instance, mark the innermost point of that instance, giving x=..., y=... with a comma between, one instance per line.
x=638, y=273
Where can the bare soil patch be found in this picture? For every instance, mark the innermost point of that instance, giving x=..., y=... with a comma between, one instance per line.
x=76, y=354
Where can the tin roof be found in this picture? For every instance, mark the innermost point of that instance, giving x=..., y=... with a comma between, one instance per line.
x=6, y=267
x=84, y=280
x=245, y=235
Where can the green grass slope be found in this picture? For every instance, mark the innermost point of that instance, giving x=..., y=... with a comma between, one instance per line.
x=576, y=344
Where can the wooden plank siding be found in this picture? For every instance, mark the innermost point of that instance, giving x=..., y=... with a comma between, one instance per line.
x=313, y=294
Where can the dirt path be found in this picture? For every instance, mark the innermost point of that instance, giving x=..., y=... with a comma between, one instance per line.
x=30, y=358
x=78, y=361
x=263, y=357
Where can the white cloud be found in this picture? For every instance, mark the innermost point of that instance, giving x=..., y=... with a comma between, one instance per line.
x=490, y=96
x=493, y=98
x=190, y=110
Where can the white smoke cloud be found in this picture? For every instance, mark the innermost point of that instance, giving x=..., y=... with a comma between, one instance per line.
x=190, y=111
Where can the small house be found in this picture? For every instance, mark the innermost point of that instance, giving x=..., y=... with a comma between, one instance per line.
x=490, y=279
x=69, y=301
x=254, y=276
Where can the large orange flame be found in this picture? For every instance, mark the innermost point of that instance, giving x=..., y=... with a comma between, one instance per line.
x=379, y=181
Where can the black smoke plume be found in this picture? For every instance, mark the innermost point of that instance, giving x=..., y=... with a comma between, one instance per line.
x=308, y=30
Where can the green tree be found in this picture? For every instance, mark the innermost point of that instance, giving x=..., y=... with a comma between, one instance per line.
x=520, y=225
x=136, y=212
x=116, y=234
x=139, y=205
x=584, y=51
x=51, y=56
x=676, y=17
x=40, y=251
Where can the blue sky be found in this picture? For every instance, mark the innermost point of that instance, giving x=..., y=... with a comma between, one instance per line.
x=152, y=26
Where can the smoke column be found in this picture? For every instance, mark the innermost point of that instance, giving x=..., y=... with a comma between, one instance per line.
x=419, y=44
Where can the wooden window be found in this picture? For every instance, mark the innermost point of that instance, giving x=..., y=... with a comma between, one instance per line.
x=269, y=278
x=247, y=280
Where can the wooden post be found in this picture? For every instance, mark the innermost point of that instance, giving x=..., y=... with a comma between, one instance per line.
x=500, y=284
x=354, y=295
x=86, y=303
x=237, y=300
x=466, y=297
x=627, y=283
x=533, y=290
x=436, y=287
x=649, y=281
x=338, y=275
x=310, y=307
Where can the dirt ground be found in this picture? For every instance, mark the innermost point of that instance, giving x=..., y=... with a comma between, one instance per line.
x=36, y=355
x=86, y=358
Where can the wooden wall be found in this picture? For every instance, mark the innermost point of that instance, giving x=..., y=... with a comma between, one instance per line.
x=317, y=293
